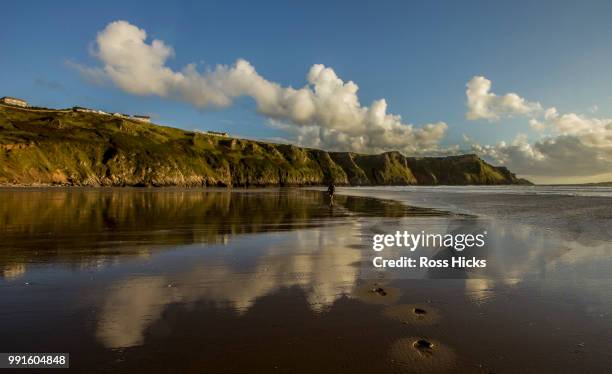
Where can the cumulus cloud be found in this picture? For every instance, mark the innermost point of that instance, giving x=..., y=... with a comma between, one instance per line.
x=325, y=112
x=574, y=146
x=537, y=125
x=571, y=145
x=484, y=104
x=555, y=156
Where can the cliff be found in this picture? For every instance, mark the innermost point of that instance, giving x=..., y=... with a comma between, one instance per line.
x=88, y=149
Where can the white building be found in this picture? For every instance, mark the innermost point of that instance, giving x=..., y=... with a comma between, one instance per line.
x=14, y=101
x=82, y=110
x=217, y=133
x=142, y=118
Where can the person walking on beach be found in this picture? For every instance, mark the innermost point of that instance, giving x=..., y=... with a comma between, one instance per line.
x=330, y=191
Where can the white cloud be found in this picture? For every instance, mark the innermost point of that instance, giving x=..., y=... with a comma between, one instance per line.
x=484, y=104
x=551, y=113
x=579, y=146
x=576, y=124
x=560, y=156
x=326, y=112
x=572, y=145
x=537, y=125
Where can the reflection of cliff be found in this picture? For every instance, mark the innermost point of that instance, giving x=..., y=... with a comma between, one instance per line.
x=319, y=261
x=14, y=271
x=89, y=223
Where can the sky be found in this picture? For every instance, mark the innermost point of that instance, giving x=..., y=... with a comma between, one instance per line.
x=525, y=84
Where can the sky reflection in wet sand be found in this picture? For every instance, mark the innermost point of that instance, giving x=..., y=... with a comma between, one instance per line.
x=221, y=286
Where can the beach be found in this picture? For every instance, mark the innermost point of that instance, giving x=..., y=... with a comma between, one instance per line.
x=280, y=280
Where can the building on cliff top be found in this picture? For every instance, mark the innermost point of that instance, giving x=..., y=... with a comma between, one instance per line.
x=88, y=110
x=142, y=118
x=217, y=133
x=14, y=101
x=83, y=110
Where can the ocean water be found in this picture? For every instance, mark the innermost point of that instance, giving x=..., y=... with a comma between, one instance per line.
x=279, y=280
x=563, y=190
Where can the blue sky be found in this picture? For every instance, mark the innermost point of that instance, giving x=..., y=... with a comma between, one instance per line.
x=418, y=56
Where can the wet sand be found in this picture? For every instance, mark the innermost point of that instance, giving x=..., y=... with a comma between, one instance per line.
x=173, y=280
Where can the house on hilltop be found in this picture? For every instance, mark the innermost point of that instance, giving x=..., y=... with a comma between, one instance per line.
x=14, y=101
x=217, y=133
x=142, y=118
x=82, y=109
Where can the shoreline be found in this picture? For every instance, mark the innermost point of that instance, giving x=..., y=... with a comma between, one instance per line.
x=55, y=185
x=575, y=217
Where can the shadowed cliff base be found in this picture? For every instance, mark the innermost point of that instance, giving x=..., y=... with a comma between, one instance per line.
x=88, y=149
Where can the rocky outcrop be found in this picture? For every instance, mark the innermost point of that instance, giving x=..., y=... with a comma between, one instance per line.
x=89, y=149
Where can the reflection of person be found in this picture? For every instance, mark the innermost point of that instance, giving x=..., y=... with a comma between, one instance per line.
x=330, y=191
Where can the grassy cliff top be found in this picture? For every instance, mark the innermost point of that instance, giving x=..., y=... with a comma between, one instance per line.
x=74, y=148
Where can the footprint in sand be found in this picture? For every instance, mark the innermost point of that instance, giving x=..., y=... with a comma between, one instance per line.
x=421, y=355
x=417, y=314
x=377, y=293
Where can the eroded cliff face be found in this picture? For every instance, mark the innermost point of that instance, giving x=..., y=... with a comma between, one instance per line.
x=87, y=149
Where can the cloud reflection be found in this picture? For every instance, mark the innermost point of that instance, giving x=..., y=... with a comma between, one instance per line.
x=320, y=261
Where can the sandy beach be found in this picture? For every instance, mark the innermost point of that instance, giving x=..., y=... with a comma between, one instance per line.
x=276, y=280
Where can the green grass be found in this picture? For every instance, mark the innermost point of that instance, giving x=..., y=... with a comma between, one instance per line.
x=70, y=148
